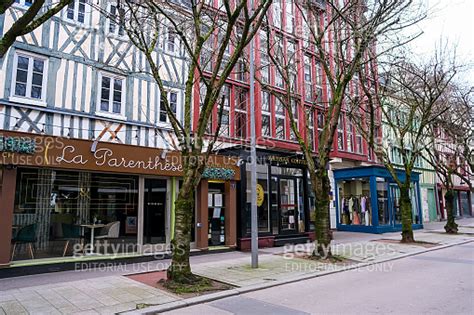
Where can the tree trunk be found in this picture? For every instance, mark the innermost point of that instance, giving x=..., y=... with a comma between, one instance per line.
x=406, y=211
x=321, y=189
x=451, y=227
x=180, y=268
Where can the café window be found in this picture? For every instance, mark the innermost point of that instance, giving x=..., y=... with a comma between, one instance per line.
x=54, y=213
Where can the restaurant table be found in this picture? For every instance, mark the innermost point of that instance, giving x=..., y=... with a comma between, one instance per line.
x=92, y=227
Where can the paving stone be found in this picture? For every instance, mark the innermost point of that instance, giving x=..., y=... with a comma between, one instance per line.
x=13, y=307
x=88, y=312
x=117, y=308
x=44, y=311
x=69, y=310
x=6, y=296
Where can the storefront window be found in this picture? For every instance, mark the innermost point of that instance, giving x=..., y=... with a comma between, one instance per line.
x=395, y=197
x=354, y=202
x=382, y=201
x=274, y=204
x=414, y=205
x=263, y=207
x=54, y=210
x=312, y=206
x=464, y=202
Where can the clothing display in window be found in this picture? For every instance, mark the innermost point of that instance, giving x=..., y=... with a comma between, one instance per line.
x=355, y=210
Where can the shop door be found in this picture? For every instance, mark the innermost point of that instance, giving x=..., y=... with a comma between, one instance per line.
x=288, y=205
x=395, y=204
x=216, y=214
x=155, y=211
x=432, y=205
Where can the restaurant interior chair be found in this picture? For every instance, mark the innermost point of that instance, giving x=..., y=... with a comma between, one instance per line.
x=25, y=235
x=109, y=231
x=70, y=233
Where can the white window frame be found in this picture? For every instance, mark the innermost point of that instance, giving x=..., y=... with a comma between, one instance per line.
x=280, y=116
x=267, y=113
x=308, y=84
x=264, y=58
x=350, y=145
x=277, y=14
x=340, y=134
x=178, y=107
x=310, y=121
x=110, y=113
x=238, y=110
x=225, y=129
x=176, y=42
x=75, y=19
x=22, y=3
x=320, y=127
x=290, y=17
x=108, y=22
x=294, y=108
x=28, y=99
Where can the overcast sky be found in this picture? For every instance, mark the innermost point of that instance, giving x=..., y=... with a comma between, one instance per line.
x=452, y=20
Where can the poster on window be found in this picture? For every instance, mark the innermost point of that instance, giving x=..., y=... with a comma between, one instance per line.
x=217, y=200
x=209, y=200
x=217, y=213
x=131, y=225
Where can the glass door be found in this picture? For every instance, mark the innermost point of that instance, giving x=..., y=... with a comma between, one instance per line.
x=154, y=231
x=288, y=205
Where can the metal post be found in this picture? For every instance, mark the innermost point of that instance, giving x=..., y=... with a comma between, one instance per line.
x=253, y=156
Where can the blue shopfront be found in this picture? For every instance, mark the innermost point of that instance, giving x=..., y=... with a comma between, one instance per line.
x=368, y=200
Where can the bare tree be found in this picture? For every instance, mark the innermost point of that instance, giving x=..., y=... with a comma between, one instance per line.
x=212, y=41
x=450, y=152
x=409, y=101
x=342, y=37
x=29, y=19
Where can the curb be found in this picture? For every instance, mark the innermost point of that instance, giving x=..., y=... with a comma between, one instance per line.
x=238, y=291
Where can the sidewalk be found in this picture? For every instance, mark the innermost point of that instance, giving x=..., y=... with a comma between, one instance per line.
x=108, y=291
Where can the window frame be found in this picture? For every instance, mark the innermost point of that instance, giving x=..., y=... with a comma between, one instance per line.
x=44, y=84
x=22, y=3
x=280, y=115
x=75, y=19
x=110, y=113
x=168, y=97
x=109, y=22
x=267, y=113
x=238, y=112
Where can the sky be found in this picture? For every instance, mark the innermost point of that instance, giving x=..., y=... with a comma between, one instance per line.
x=451, y=20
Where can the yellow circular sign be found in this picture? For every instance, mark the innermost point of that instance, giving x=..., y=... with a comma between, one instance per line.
x=260, y=195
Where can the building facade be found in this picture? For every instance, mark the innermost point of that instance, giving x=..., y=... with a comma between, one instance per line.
x=88, y=153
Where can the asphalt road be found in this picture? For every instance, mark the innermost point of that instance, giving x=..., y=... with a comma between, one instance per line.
x=437, y=282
